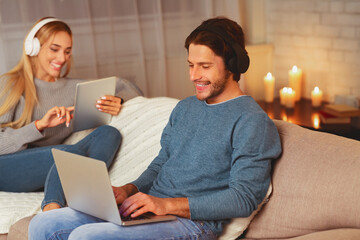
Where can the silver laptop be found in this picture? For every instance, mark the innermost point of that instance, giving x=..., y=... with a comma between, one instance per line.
x=87, y=188
x=86, y=115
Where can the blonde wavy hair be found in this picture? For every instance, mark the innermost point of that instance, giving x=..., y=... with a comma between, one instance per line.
x=20, y=79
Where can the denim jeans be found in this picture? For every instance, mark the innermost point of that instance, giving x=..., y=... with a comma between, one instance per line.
x=67, y=223
x=33, y=169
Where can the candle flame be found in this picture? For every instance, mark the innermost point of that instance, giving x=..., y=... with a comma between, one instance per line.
x=294, y=68
x=285, y=89
x=316, y=121
x=269, y=75
x=316, y=89
x=289, y=90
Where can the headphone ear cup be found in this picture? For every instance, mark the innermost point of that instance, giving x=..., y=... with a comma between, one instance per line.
x=32, y=47
x=35, y=47
x=232, y=65
x=28, y=46
x=244, y=63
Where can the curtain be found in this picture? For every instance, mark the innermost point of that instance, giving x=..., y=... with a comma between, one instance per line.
x=140, y=40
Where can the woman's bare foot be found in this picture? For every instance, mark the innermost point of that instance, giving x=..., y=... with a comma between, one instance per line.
x=51, y=206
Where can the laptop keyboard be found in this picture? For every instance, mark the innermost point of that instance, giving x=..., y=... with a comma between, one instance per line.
x=129, y=218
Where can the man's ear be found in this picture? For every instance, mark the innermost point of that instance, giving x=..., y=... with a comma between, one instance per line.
x=229, y=74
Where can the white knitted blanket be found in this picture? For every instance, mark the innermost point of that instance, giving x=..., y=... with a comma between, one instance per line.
x=141, y=122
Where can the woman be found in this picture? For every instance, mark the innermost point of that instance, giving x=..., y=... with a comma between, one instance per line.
x=35, y=115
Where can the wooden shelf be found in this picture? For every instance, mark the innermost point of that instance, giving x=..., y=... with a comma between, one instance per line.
x=305, y=115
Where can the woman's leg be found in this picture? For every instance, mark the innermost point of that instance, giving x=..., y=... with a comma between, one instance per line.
x=30, y=169
x=25, y=171
x=70, y=224
x=101, y=144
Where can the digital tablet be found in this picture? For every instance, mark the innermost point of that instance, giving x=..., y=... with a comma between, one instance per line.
x=86, y=115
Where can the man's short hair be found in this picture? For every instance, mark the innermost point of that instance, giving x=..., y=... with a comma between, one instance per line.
x=226, y=39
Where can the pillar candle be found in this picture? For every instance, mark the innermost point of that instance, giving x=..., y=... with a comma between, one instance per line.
x=316, y=97
x=290, y=98
x=269, y=82
x=295, y=76
x=283, y=93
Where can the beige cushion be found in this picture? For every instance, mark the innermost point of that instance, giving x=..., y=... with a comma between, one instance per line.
x=315, y=185
x=19, y=230
x=238, y=225
x=334, y=234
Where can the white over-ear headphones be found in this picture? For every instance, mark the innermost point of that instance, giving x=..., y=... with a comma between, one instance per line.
x=32, y=44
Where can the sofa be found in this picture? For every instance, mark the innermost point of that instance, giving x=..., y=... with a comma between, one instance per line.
x=314, y=192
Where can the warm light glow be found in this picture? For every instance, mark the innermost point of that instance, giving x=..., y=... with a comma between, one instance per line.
x=316, y=90
x=269, y=76
x=271, y=116
x=289, y=90
x=294, y=68
x=316, y=121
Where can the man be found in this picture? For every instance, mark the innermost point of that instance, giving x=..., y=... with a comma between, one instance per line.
x=215, y=157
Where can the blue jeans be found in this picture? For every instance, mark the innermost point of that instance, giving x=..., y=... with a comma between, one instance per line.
x=67, y=223
x=33, y=168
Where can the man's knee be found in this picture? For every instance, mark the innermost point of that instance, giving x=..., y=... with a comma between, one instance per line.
x=39, y=227
x=46, y=224
x=88, y=232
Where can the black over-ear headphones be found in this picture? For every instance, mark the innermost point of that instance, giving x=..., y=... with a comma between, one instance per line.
x=238, y=64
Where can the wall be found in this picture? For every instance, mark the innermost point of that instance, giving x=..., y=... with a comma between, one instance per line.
x=261, y=62
x=322, y=38
x=253, y=23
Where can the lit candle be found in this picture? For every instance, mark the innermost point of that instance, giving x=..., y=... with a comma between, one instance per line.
x=290, y=98
x=283, y=95
x=269, y=81
x=316, y=97
x=316, y=120
x=295, y=75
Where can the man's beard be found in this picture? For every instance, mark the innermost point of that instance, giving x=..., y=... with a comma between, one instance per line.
x=216, y=88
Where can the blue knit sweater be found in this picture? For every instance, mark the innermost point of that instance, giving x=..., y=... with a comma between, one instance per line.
x=218, y=156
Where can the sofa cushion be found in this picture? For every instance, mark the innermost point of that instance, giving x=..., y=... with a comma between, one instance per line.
x=334, y=234
x=238, y=225
x=19, y=230
x=315, y=185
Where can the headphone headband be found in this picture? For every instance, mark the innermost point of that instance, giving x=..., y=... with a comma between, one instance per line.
x=31, y=47
x=242, y=58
